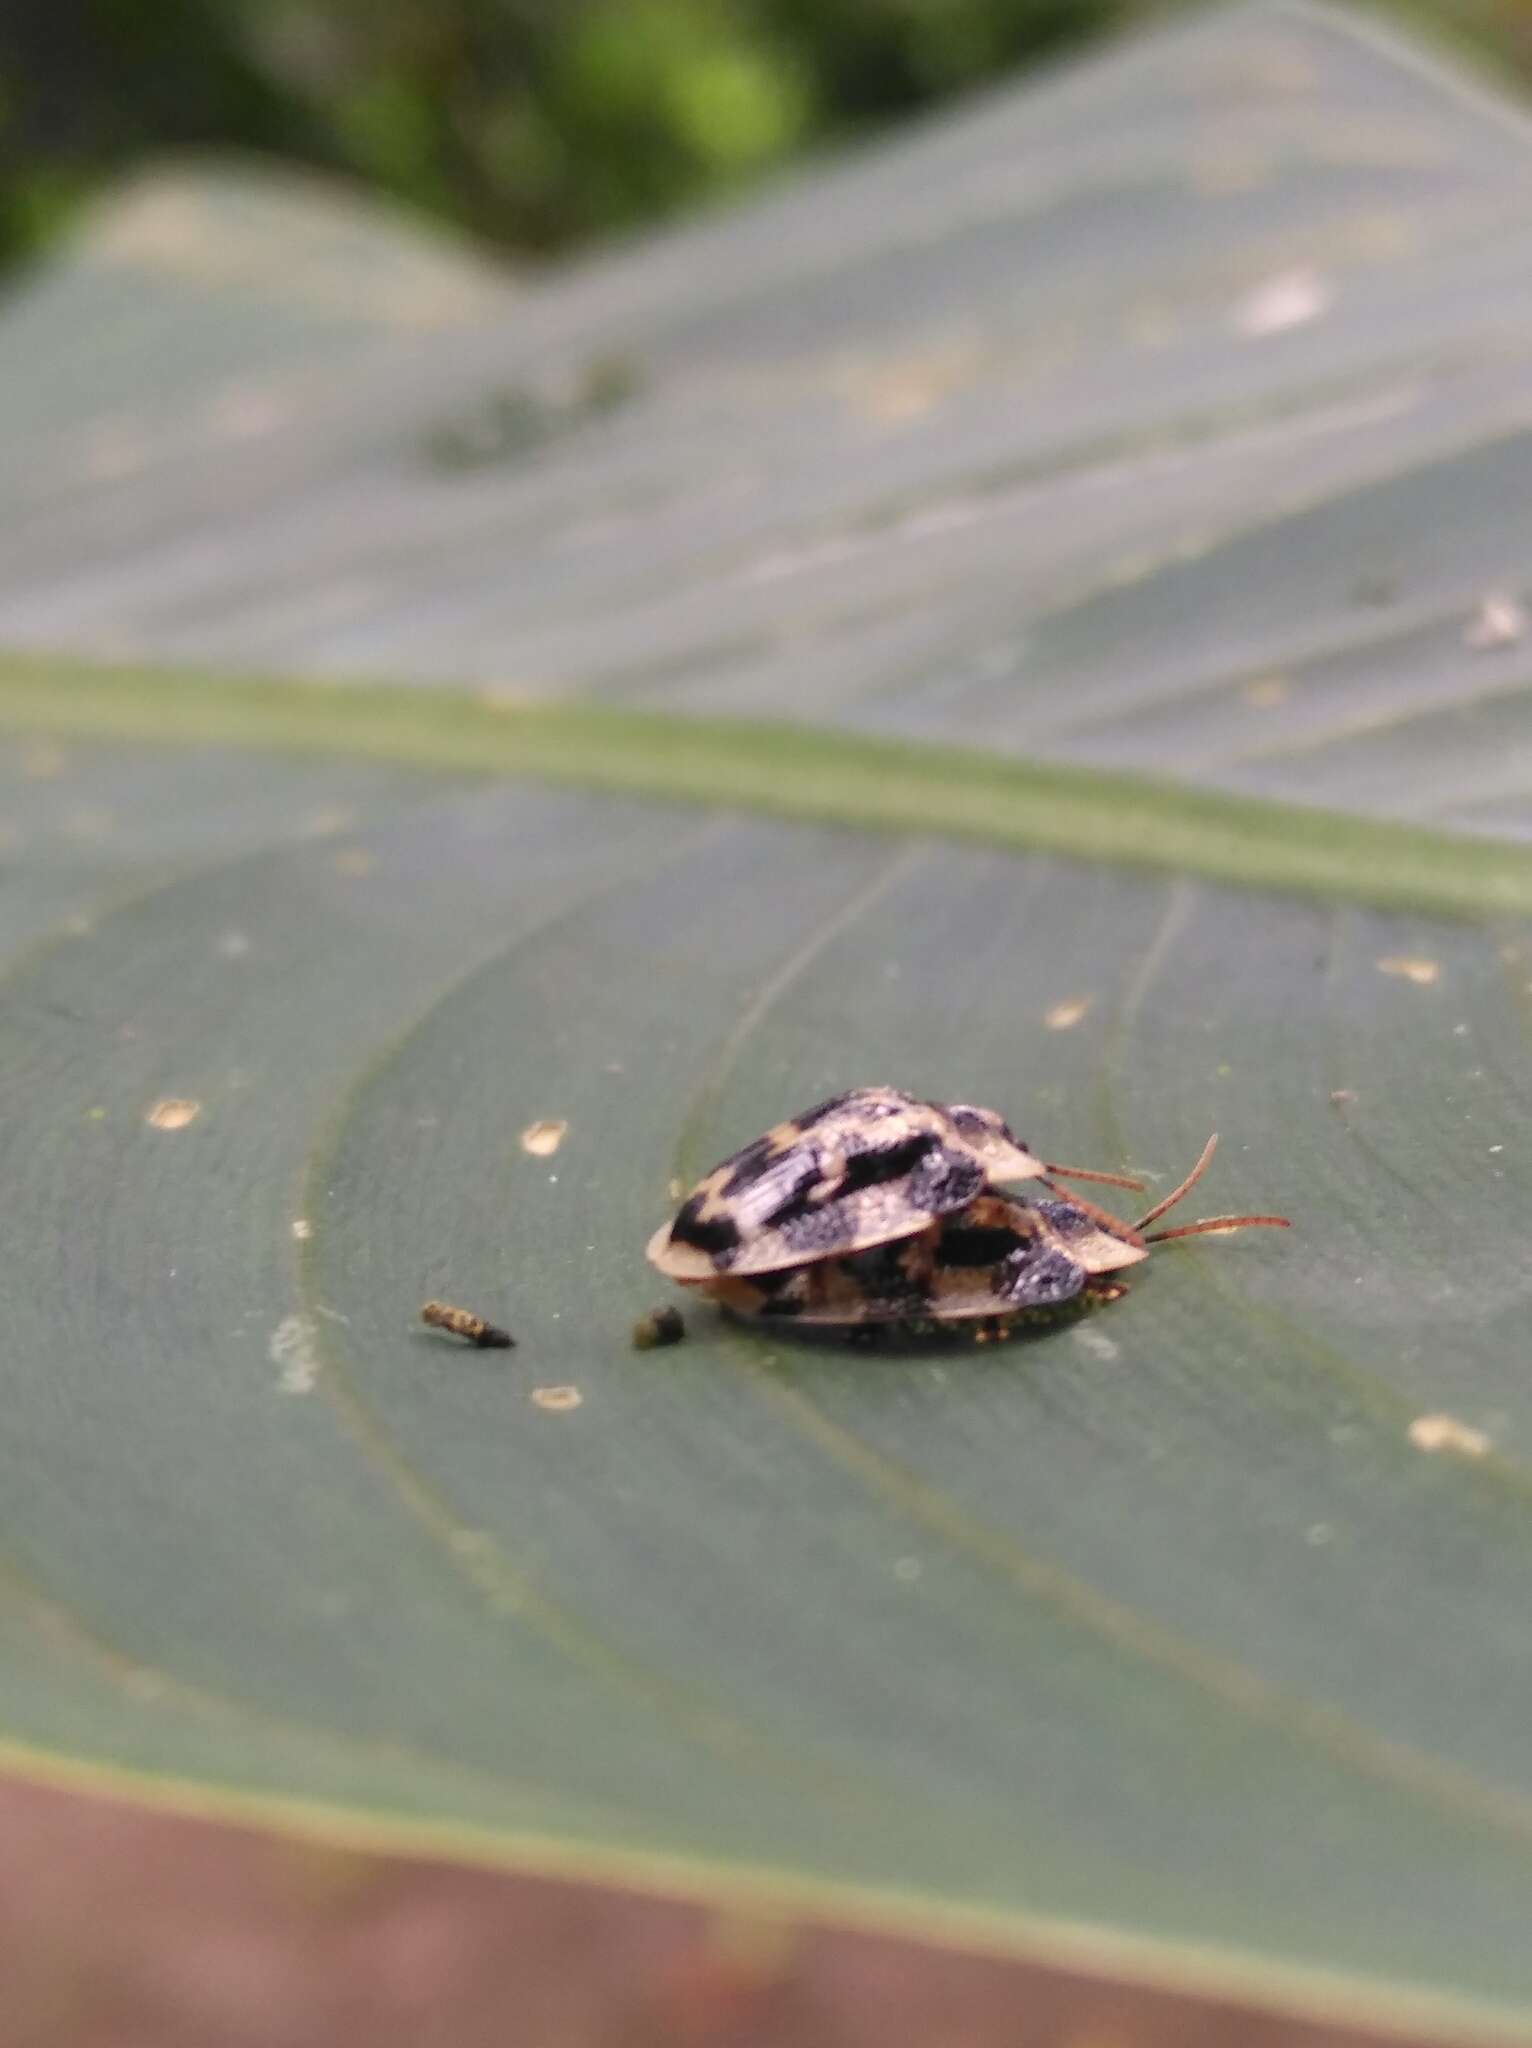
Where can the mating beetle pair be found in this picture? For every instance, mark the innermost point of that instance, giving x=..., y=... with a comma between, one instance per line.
x=877, y=1208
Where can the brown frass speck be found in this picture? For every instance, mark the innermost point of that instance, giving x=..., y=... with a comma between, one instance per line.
x=660, y=1326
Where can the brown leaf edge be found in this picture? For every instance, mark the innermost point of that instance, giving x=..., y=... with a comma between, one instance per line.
x=125, y=1924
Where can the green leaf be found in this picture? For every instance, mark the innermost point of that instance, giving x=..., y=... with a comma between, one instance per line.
x=796, y=725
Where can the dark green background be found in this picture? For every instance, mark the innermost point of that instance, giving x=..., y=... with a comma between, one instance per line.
x=527, y=122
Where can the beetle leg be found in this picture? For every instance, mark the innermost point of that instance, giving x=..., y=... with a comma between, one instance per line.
x=1102, y=1288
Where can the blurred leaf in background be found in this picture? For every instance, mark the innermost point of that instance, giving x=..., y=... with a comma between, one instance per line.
x=530, y=122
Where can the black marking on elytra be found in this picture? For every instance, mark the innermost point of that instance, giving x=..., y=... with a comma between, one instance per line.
x=1071, y=1223
x=747, y=1166
x=875, y=1165
x=944, y=1180
x=1039, y=1277
x=785, y=1189
x=718, y=1236
x=979, y=1244
x=881, y=1272
x=815, y=1231
x=974, y=1122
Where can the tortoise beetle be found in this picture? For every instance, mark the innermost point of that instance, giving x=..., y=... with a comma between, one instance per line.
x=864, y=1169
x=994, y=1263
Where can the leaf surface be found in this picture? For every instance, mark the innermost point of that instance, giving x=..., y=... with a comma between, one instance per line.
x=861, y=746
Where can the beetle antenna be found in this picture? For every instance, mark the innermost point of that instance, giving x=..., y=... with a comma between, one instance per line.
x=1109, y=1180
x=1114, y=1224
x=1211, y=1224
x=1208, y=1224
x=1184, y=1189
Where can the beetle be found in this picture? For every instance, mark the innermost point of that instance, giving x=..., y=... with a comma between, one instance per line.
x=866, y=1168
x=996, y=1262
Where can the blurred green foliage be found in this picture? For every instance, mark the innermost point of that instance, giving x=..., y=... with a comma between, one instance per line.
x=528, y=122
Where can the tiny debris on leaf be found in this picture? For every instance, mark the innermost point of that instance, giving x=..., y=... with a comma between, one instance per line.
x=1066, y=1015
x=172, y=1113
x=293, y=1347
x=1265, y=693
x=1408, y=968
x=1500, y=621
x=659, y=1326
x=557, y=1398
x=462, y=1322
x=1290, y=299
x=1446, y=1433
x=544, y=1138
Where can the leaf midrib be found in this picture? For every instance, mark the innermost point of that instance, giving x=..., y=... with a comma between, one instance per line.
x=789, y=771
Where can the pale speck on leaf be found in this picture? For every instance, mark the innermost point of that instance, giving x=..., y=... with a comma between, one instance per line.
x=1445, y=1433
x=1088, y=1338
x=1290, y=299
x=1130, y=569
x=544, y=1138
x=1064, y=1016
x=556, y=1399
x=1265, y=693
x=303, y=1230
x=1411, y=967
x=244, y=412
x=172, y=1113
x=292, y=1349
x=1500, y=621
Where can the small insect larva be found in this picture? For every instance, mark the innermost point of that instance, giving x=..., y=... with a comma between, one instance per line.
x=462, y=1322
